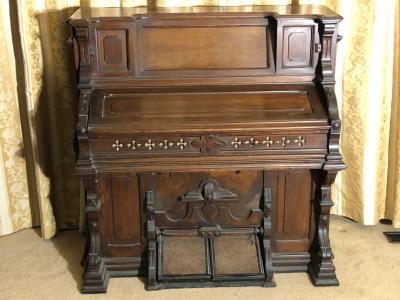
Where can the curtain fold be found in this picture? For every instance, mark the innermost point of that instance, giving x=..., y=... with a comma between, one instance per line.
x=365, y=191
x=392, y=209
x=15, y=210
x=39, y=102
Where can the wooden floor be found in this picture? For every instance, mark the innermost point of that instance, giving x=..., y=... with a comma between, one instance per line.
x=368, y=267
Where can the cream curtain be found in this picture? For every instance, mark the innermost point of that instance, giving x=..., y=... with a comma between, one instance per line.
x=38, y=103
x=367, y=77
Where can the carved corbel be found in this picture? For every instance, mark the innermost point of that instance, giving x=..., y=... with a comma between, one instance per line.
x=82, y=55
x=95, y=276
x=326, y=82
x=322, y=269
x=329, y=36
x=334, y=159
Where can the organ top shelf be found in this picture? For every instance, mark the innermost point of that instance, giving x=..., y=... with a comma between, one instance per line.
x=292, y=11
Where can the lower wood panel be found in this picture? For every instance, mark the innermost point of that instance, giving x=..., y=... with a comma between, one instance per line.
x=292, y=193
x=122, y=216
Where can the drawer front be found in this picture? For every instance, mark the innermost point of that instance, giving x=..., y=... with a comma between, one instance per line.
x=209, y=144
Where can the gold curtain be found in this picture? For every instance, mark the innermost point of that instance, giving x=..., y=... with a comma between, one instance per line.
x=367, y=77
x=37, y=186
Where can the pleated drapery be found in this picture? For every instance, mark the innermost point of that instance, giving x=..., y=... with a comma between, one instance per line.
x=39, y=101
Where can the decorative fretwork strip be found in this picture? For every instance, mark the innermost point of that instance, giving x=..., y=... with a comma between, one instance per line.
x=268, y=142
x=180, y=144
x=150, y=145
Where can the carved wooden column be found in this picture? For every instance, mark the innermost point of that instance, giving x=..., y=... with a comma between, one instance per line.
x=82, y=63
x=95, y=276
x=322, y=269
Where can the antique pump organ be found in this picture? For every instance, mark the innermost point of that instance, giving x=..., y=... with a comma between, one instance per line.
x=208, y=142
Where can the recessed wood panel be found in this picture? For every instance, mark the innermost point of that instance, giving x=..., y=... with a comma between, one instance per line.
x=133, y=112
x=122, y=212
x=297, y=204
x=122, y=188
x=204, y=48
x=205, y=105
x=297, y=46
x=292, y=192
x=293, y=205
x=112, y=50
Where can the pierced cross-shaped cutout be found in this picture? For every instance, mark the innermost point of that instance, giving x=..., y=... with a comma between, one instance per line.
x=236, y=142
x=117, y=145
x=166, y=144
x=268, y=141
x=150, y=144
x=133, y=145
x=284, y=141
x=181, y=144
x=300, y=141
x=252, y=142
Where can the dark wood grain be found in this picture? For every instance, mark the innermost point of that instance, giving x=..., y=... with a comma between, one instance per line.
x=207, y=122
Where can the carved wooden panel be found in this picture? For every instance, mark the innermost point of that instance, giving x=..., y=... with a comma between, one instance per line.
x=112, y=50
x=209, y=144
x=298, y=46
x=233, y=197
x=292, y=194
x=297, y=204
x=123, y=218
x=175, y=105
x=221, y=46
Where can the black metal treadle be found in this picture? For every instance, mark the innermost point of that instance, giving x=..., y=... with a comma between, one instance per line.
x=392, y=236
